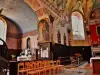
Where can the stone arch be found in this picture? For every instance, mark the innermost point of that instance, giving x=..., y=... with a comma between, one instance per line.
x=28, y=43
x=3, y=29
x=14, y=34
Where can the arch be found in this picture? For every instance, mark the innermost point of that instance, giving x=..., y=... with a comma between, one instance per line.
x=14, y=33
x=11, y=23
x=3, y=29
x=78, y=31
x=28, y=43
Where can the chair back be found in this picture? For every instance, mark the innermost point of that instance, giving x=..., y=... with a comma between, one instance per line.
x=52, y=62
x=20, y=66
x=58, y=62
x=27, y=65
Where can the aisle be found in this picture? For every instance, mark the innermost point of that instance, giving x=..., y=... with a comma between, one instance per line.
x=81, y=70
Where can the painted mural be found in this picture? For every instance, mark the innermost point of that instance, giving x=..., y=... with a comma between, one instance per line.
x=36, y=4
x=59, y=8
x=59, y=3
x=43, y=28
x=95, y=14
x=40, y=12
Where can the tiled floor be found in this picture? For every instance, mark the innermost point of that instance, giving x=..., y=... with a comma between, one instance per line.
x=75, y=71
x=81, y=70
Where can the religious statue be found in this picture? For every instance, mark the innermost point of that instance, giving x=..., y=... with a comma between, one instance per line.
x=59, y=37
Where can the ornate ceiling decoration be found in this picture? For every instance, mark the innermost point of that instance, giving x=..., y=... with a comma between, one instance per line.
x=61, y=9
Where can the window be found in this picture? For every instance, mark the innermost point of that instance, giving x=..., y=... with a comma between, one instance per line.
x=3, y=29
x=77, y=26
x=28, y=43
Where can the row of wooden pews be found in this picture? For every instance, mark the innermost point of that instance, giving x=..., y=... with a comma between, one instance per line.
x=44, y=67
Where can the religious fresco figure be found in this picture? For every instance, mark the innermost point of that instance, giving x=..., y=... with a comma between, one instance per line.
x=43, y=29
x=95, y=14
x=61, y=4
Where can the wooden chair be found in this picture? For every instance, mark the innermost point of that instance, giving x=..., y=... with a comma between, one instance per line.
x=40, y=69
x=28, y=66
x=47, y=67
x=53, y=68
x=60, y=67
x=32, y=70
x=21, y=69
x=36, y=70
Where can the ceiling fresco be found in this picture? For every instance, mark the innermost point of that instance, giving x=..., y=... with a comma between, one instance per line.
x=64, y=7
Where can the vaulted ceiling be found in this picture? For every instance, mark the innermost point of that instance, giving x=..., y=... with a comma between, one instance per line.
x=61, y=8
x=26, y=15
x=20, y=13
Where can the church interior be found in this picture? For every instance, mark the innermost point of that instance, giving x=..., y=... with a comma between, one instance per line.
x=49, y=37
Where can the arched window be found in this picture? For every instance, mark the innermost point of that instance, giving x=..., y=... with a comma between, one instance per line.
x=3, y=30
x=28, y=43
x=77, y=26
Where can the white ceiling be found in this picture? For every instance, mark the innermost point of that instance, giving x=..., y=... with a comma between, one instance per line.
x=20, y=13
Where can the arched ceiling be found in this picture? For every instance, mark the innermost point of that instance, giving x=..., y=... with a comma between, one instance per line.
x=63, y=7
x=26, y=18
x=20, y=13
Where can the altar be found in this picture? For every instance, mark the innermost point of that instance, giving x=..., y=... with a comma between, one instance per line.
x=25, y=55
x=25, y=58
x=95, y=64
